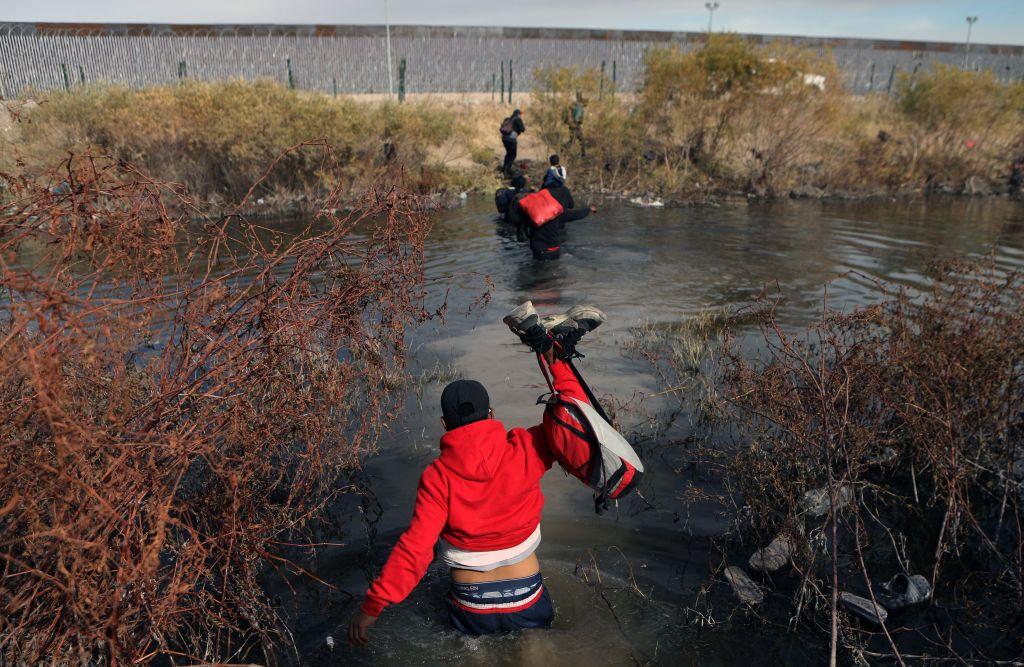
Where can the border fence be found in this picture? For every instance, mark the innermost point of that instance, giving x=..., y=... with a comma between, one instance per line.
x=427, y=59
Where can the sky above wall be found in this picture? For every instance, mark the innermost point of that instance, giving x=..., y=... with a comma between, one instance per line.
x=1000, y=21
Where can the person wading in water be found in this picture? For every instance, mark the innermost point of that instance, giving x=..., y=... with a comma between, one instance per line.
x=510, y=130
x=482, y=498
x=548, y=211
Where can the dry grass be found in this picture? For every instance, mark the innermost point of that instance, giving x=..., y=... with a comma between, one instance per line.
x=217, y=138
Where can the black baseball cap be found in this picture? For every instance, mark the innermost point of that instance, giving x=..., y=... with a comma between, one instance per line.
x=464, y=402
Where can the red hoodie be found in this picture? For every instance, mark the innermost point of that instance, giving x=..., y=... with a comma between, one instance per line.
x=481, y=494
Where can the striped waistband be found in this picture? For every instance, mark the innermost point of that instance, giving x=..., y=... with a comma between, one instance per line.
x=505, y=597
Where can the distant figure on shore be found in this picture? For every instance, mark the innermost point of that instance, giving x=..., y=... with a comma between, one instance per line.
x=556, y=174
x=510, y=130
x=1017, y=176
x=573, y=119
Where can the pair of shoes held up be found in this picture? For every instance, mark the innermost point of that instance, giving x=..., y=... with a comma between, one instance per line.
x=563, y=330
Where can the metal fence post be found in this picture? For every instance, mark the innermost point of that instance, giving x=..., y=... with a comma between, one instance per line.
x=510, y=81
x=871, y=79
x=291, y=78
x=401, y=80
x=81, y=75
x=334, y=82
x=64, y=71
x=502, y=81
x=614, y=73
x=494, y=83
x=892, y=75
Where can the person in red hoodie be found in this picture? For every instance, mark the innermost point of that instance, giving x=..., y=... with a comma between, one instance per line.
x=481, y=500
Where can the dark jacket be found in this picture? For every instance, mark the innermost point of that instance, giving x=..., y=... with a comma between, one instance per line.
x=552, y=235
x=516, y=216
x=517, y=126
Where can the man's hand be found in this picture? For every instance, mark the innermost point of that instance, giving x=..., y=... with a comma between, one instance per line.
x=358, y=626
x=593, y=209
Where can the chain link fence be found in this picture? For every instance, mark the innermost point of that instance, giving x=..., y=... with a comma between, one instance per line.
x=352, y=59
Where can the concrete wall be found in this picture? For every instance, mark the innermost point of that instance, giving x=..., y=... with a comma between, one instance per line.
x=47, y=56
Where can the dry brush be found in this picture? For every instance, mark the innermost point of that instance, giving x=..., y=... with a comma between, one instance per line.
x=179, y=401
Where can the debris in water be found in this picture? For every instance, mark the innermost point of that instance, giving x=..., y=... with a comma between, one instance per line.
x=866, y=609
x=887, y=455
x=816, y=503
x=903, y=591
x=773, y=557
x=330, y=642
x=647, y=202
x=743, y=586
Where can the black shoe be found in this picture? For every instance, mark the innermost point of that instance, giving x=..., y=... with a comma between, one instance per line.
x=903, y=591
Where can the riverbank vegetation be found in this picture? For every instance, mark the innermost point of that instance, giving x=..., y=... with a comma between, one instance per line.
x=735, y=118
x=180, y=402
x=217, y=139
x=880, y=442
x=729, y=118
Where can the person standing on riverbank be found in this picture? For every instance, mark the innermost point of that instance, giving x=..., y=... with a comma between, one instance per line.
x=573, y=119
x=510, y=130
x=482, y=498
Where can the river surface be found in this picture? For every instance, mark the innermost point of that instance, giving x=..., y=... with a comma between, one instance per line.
x=621, y=582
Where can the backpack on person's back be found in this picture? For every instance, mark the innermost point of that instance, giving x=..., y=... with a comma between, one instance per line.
x=508, y=128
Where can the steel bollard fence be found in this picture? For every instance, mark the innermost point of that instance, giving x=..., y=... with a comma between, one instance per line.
x=401, y=80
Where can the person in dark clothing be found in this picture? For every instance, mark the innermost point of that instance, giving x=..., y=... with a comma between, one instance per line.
x=505, y=197
x=511, y=128
x=1017, y=176
x=556, y=174
x=514, y=214
x=546, y=240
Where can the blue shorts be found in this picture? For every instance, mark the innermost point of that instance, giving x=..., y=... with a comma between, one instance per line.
x=500, y=606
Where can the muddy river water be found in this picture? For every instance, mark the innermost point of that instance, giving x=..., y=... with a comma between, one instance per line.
x=621, y=582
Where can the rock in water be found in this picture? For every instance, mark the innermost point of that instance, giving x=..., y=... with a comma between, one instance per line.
x=885, y=455
x=773, y=557
x=815, y=502
x=864, y=608
x=743, y=586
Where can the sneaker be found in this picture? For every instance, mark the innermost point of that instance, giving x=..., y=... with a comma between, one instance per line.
x=522, y=318
x=568, y=328
x=525, y=323
x=587, y=317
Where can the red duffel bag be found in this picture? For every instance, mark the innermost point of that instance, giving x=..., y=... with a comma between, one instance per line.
x=541, y=207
